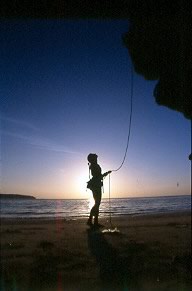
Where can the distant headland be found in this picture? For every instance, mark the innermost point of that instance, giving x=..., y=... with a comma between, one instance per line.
x=16, y=196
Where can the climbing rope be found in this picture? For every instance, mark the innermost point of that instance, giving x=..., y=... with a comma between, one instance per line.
x=130, y=122
x=110, y=200
x=127, y=146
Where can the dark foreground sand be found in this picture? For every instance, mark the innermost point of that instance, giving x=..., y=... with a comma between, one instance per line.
x=151, y=252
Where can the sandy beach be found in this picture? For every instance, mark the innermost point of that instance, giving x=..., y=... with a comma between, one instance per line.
x=151, y=252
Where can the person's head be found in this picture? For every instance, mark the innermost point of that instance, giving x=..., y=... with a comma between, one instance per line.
x=92, y=158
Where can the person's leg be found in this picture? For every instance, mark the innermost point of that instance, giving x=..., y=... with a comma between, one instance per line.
x=92, y=212
x=89, y=221
x=96, y=206
x=95, y=209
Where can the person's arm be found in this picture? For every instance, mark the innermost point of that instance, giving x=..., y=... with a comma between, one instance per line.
x=106, y=173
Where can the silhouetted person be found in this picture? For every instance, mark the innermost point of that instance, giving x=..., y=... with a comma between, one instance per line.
x=95, y=185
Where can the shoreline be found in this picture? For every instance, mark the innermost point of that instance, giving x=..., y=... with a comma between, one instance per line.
x=76, y=218
x=150, y=252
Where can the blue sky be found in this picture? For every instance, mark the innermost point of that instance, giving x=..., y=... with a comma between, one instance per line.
x=65, y=92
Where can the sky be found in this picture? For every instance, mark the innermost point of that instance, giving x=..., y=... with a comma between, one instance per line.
x=65, y=93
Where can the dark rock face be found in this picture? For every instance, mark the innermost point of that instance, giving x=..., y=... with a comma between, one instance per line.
x=160, y=44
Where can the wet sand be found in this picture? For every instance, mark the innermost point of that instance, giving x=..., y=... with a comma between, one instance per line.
x=151, y=252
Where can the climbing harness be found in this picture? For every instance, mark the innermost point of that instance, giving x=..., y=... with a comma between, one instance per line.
x=91, y=183
x=112, y=229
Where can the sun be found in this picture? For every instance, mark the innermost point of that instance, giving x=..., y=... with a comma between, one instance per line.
x=81, y=185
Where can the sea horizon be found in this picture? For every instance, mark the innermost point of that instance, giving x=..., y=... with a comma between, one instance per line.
x=123, y=197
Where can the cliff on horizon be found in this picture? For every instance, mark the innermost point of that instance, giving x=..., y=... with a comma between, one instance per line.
x=16, y=196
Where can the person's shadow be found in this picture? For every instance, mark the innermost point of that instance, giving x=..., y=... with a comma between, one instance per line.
x=112, y=271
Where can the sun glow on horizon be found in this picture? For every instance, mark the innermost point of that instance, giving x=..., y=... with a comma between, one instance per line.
x=80, y=185
x=91, y=202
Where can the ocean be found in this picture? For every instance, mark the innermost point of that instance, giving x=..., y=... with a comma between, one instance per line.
x=74, y=208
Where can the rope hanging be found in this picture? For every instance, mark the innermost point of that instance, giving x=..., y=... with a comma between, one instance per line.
x=127, y=145
x=110, y=200
x=130, y=121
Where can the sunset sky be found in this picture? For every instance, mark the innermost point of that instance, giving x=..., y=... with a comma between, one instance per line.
x=65, y=93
